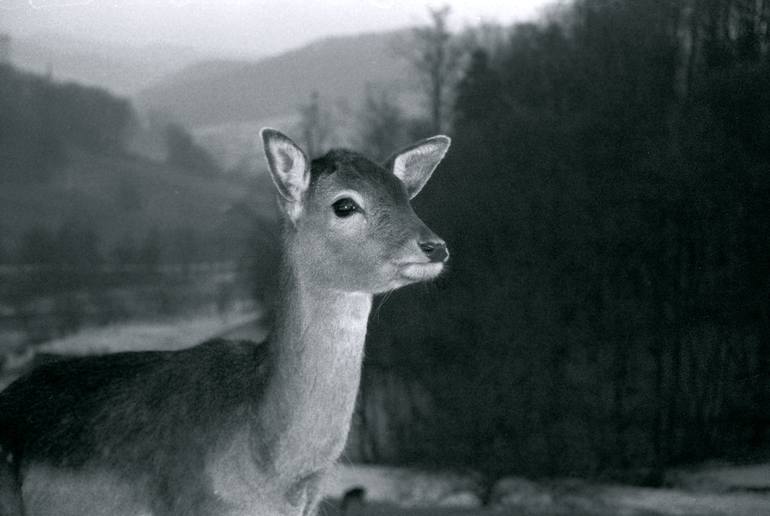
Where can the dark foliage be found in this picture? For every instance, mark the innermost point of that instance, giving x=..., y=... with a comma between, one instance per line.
x=605, y=202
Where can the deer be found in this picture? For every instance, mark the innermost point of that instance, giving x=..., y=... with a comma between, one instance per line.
x=233, y=427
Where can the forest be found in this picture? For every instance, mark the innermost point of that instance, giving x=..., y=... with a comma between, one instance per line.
x=605, y=202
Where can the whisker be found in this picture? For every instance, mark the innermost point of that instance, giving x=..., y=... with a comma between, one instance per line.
x=382, y=302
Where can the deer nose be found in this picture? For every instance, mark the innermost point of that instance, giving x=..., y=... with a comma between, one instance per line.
x=435, y=250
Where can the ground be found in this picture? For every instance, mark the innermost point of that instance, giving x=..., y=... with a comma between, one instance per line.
x=706, y=490
x=390, y=489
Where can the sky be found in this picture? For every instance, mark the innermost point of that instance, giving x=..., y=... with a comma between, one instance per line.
x=250, y=27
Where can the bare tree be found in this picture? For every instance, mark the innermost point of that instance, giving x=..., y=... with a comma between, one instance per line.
x=435, y=56
x=316, y=125
x=381, y=123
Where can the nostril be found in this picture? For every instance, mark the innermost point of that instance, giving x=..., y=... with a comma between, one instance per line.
x=436, y=251
x=427, y=247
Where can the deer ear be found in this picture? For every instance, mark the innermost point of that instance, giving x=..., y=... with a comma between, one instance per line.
x=415, y=164
x=287, y=164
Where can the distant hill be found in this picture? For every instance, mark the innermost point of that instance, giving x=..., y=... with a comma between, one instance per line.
x=63, y=159
x=40, y=118
x=122, y=69
x=119, y=196
x=235, y=91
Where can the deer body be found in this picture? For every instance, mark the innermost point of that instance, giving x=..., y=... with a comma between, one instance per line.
x=232, y=428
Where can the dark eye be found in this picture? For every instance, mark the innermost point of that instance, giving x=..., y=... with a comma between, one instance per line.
x=345, y=207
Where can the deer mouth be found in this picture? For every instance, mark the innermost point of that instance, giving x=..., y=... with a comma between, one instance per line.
x=421, y=271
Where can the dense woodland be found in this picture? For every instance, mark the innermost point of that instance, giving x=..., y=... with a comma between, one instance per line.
x=605, y=202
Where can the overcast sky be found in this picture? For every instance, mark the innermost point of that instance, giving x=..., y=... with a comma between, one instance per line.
x=256, y=27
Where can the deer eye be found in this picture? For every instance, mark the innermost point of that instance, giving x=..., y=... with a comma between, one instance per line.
x=345, y=207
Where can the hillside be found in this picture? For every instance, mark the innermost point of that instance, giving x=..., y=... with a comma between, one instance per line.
x=119, y=196
x=232, y=91
x=122, y=69
x=65, y=160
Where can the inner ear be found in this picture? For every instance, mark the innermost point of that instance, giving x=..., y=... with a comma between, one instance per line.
x=415, y=164
x=287, y=164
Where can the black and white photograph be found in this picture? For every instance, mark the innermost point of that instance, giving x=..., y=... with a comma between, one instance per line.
x=384, y=258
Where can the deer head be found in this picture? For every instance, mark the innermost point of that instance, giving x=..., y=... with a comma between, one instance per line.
x=350, y=223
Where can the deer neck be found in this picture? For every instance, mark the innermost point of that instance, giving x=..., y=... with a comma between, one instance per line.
x=316, y=354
